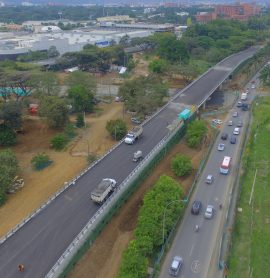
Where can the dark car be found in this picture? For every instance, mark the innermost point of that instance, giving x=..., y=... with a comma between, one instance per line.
x=196, y=207
x=233, y=140
x=245, y=107
x=224, y=136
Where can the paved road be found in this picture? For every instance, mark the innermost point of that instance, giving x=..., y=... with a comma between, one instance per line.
x=40, y=242
x=196, y=248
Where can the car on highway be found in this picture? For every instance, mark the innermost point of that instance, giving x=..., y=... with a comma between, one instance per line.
x=253, y=86
x=236, y=131
x=233, y=140
x=240, y=123
x=176, y=265
x=239, y=104
x=209, y=213
x=230, y=123
x=235, y=114
x=221, y=147
x=196, y=207
x=209, y=179
x=224, y=136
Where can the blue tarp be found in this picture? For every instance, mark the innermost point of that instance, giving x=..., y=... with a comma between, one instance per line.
x=18, y=91
x=184, y=114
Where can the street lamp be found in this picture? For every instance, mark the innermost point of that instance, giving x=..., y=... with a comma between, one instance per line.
x=164, y=214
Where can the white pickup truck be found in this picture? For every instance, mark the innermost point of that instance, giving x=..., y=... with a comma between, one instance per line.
x=133, y=135
x=103, y=190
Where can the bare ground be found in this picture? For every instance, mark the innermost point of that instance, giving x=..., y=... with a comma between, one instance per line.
x=38, y=187
x=104, y=257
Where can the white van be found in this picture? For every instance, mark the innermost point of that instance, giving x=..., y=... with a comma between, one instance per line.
x=236, y=131
x=244, y=96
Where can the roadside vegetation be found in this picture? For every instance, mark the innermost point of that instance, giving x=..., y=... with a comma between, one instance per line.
x=251, y=245
x=196, y=132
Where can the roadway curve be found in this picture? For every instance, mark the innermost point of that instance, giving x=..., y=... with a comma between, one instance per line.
x=40, y=242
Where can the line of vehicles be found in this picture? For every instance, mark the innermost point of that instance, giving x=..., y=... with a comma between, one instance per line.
x=224, y=169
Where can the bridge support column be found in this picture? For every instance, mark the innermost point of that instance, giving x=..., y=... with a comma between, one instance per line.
x=204, y=105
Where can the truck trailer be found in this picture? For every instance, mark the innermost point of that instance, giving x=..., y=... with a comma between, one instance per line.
x=103, y=190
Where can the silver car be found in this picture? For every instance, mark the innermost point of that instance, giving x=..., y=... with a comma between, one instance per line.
x=176, y=265
x=221, y=147
x=209, y=212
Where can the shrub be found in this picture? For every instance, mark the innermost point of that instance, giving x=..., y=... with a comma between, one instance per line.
x=59, y=141
x=117, y=128
x=195, y=133
x=7, y=136
x=69, y=131
x=181, y=165
x=40, y=161
x=80, y=120
x=91, y=158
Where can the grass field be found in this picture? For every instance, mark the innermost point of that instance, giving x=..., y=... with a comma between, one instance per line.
x=251, y=237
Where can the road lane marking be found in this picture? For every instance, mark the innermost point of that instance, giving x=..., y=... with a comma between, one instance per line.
x=68, y=198
x=195, y=266
x=191, y=250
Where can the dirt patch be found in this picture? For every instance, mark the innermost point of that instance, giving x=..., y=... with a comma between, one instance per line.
x=141, y=68
x=38, y=187
x=104, y=257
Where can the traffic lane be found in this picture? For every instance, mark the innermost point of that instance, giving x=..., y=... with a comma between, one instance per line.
x=75, y=201
x=195, y=94
x=195, y=256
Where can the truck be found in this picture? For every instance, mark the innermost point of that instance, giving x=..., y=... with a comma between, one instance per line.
x=133, y=135
x=185, y=114
x=103, y=190
x=244, y=96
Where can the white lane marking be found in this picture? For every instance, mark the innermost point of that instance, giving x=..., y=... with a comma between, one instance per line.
x=191, y=250
x=195, y=266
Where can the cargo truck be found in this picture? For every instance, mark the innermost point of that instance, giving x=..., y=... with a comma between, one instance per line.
x=244, y=96
x=103, y=190
x=133, y=135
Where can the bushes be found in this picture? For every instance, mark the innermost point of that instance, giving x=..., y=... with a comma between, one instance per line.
x=117, y=128
x=40, y=161
x=162, y=200
x=80, y=120
x=7, y=136
x=195, y=133
x=59, y=141
x=181, y=165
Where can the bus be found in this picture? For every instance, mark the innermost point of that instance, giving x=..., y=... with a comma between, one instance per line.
x=224, y=167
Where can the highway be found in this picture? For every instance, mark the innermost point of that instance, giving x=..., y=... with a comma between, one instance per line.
x=40, y=242
x=197, y=248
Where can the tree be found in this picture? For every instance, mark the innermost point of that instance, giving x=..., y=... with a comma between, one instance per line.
x=195, y=133
x=181, y=165
x=7, y=136
x=45, y=84
x=11, y=114
x=117, y=128
x=80, y=120
x=53, y=52
x=59, y=141
x=125, y=41
x=158, y=66
x=143, y=94
x=8, y=170
x=40, y=161
x=82, y=98
x=55, y=110
x=265, y=75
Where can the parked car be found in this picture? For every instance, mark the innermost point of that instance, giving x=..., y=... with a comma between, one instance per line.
x=136, y=121
x=209, y=179
x=236, y=131
x=221, y=147
x=176, y=265
x=240, y=124
x=217, y=121
x=209, y=212
x=224, y=136
x=233, y=140
x=239, y=104
x=196, y=207
x=235, y=114
x=230, y=123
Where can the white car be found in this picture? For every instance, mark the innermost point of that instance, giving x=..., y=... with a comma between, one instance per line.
x=175, y=265
x=209, y=212
x=253, y=86
x=230, y=123
x=236, y=131
x=217, y=121
x=221, y=147
x=235, y=114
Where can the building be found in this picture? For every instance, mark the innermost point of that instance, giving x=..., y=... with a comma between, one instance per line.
x=204, y=17
x=117, y=18
x=140, y=26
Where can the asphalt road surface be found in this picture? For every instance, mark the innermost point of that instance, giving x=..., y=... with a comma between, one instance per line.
x=196, y=248
x=40, y=242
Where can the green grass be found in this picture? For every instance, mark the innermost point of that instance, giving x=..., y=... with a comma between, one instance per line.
x=251, y=237
x=200, y=65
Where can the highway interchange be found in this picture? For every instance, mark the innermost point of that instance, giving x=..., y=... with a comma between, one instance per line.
x=40, y=242
x=197, y=248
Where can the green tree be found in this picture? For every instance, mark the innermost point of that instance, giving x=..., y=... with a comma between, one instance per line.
x=143, y=94
x=53, y=52
x=69, y=130
x=7, y=136
x=11, y=114
x=82, y=98
x=117, y=128
x=195, y=133
x=265, y=75
x=8, y=170
x=55, y=110
x=59, y=141
x=80, y=120
x=181, y=165
x=158, y=66
x=40, y=161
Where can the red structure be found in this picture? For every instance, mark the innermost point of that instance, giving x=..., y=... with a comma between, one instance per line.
x=205, y=17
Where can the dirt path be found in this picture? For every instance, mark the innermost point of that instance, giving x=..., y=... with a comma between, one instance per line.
x=104, y=257
x=40, y=185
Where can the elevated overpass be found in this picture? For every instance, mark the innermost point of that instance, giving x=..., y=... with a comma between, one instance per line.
x=40, y=242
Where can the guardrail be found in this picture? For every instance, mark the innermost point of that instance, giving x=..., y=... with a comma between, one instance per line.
x=79, y=240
